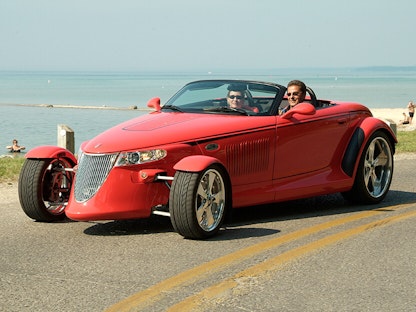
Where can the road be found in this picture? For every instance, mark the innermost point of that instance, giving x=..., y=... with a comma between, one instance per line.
x=319, y=254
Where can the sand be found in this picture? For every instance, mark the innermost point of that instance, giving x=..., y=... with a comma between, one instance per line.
x=395, y=115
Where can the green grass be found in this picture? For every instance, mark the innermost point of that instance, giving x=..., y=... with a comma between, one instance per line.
x=407, y=142
x=10, y=167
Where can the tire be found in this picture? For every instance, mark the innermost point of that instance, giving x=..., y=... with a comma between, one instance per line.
x=375, y=171
x=44, y=188
x=198, y=202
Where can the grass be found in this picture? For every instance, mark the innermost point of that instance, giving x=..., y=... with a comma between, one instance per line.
x=407, y=142
x=10, y=167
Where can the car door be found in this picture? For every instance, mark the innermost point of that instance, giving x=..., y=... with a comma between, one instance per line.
x=308, y=144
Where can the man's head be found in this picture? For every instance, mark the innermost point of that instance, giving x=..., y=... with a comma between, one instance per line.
x=296, y=92
x=235, y=96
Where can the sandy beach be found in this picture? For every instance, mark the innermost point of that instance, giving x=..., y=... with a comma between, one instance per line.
x=395, y=115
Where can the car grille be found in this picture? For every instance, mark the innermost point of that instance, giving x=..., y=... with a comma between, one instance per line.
x=91, y=174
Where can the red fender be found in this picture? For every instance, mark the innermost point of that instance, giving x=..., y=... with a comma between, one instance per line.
x=372, y=124
x=50, y=151
x=359, y=140
x=195, y=163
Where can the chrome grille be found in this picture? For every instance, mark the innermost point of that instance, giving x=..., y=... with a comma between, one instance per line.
x=91, y=174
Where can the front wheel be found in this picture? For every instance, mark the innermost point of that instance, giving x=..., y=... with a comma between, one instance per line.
x=44, y=188
x=198, y=201
x=375, y=171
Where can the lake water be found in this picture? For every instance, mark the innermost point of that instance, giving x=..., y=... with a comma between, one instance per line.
x=23, y=117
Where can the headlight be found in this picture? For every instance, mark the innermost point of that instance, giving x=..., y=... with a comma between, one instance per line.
x=139, y=157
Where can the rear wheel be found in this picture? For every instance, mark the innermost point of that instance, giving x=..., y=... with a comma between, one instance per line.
x=198, y=202
x=375, y=171
x=44, y=188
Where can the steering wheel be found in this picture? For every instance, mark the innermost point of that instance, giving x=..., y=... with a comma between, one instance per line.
x=314, y=101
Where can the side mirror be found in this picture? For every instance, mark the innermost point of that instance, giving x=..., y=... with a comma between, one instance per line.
x=301, y=108
x=154, y=103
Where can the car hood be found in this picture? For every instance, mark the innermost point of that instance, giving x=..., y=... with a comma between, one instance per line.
x=161, y=128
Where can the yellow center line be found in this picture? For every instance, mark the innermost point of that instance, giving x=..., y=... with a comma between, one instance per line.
x=148, y=296
x=273, y=264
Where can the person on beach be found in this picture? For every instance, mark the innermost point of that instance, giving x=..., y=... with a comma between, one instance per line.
x=411, y=109
x=296, y=92
x=236, y=98
x=15, y=147
x=405, y=121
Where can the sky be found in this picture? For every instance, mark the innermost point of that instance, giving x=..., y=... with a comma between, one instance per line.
x=213, y=35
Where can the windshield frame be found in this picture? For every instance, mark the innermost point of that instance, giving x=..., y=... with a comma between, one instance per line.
x=205, y=96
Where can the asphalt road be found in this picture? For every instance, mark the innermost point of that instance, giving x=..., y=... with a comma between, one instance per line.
x=319, y=254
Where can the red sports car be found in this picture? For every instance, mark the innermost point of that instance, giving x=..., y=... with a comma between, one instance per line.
x=195, y=158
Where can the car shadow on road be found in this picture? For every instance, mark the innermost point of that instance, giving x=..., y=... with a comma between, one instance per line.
x=325, y=205
x=152, y=225
x=236, y=226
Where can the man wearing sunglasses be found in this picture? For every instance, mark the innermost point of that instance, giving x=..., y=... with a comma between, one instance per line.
x=296, y=92
x=236, y=98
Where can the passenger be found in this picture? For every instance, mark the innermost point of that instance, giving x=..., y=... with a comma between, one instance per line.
x=236, y=98
x=296, y=92
x=15, y=148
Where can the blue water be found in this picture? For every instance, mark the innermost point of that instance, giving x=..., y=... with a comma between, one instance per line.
x=37, y=125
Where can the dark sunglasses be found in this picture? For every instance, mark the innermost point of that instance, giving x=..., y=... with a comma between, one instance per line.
x=238, y=97
x=294, y=94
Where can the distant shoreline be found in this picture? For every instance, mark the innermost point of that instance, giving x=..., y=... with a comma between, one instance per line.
x=104, y=107
x=393, y=114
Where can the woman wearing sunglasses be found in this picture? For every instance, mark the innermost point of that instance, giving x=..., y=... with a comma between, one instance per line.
x=236, y=99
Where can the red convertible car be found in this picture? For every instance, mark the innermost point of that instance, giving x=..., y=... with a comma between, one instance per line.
x=195, y=158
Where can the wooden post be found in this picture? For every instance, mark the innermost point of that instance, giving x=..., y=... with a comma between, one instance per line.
x=66, y=138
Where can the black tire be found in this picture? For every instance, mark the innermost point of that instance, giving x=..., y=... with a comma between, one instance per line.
x=375, y=171
x=44, y=188
x=198, y=202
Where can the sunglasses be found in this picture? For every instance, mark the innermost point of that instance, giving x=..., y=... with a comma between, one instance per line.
x=238, y=97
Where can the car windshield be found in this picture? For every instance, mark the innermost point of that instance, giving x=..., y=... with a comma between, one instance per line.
x=227, y=97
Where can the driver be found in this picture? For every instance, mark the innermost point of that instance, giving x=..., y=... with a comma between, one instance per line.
x=236, y=98
x=296, y=92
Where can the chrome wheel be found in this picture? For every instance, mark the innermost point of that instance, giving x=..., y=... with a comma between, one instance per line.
x=198, y=202
x=210, y=200
x=378, y=167
x=375, y=171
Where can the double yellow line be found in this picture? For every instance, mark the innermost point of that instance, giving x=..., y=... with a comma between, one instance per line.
x=154, y=293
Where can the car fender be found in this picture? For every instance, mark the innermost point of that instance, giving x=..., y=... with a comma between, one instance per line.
x=372, y=124
x=358, y=140
x=196, y=163
x=50, y=151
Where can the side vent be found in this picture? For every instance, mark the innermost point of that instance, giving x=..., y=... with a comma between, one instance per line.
x=248, y=157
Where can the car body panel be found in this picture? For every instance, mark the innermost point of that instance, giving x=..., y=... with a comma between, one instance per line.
x=162, y=128
x=50, y=151
x=267, y=158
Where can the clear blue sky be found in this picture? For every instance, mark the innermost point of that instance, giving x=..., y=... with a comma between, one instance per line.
x=211, y=35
